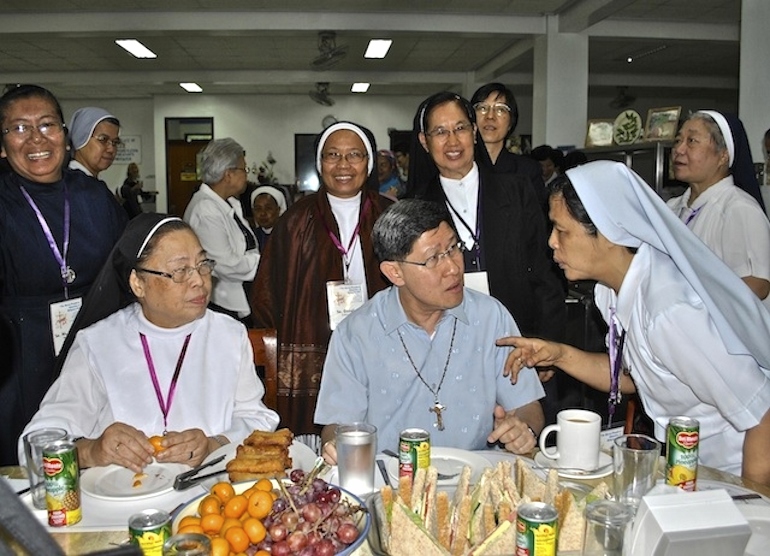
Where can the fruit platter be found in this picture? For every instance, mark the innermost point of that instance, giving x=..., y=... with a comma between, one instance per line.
x=300, y=515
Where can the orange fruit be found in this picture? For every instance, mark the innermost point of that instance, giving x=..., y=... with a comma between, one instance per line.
x=255, y=530
x=249, y=492
x=229, y=522
x=210, y=505
x=224, y=491
x=260, y=504
x=236, y=506
x=212, y=523
x=264, y=484
x=189, y=520
x=259, y=553
x=156, y=443
x=191, y=529
x=238, y=539
x=220, y=547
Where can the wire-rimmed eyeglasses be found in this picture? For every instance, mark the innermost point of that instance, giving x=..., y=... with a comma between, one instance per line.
x=105, y=141
x=246, y=169
x=498, y=108
x=181, y=275
x=48, y=129
x=442, y=133
x=433, y=261
x=353, y=157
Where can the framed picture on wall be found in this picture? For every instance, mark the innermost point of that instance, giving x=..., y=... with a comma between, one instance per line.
x=662, y=123
x=599, y=133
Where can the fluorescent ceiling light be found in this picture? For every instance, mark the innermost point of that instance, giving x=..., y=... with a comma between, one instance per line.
x=378, y=48
x=135, y=48
x=191, y=87
x=359, y=87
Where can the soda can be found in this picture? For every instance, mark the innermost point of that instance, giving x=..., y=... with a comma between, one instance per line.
x=682, y=452
x=413, y=452
x=536, y=529
x=149, y=530
x=62, y=483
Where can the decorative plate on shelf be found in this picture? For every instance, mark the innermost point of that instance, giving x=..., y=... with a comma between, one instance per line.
x=627, y=128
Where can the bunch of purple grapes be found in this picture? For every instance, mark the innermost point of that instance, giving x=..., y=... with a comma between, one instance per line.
x=317, y=521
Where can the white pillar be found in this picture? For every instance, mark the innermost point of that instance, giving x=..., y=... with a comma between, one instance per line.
x=560, y=87
x=754, y=89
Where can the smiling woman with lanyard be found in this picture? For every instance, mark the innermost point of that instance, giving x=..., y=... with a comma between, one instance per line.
x=319, y=266
x=57, y=227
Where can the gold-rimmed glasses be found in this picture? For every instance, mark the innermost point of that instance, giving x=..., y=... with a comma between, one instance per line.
x=181, y=275
x=48, y=129
x=498, y=109
x=442, y=134
x=434, y=260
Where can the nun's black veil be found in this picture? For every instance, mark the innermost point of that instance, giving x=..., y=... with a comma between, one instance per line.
x=742, y=169
x=110, y=291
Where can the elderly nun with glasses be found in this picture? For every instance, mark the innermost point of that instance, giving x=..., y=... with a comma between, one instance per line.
x=216, y=215
x=95, y=139
x=149, y=359
x=319, y=266
x=57, y=227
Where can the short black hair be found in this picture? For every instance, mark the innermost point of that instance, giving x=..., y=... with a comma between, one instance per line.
x=19, y=92
x=427, y=106
x=402, y=224
x=485, y=90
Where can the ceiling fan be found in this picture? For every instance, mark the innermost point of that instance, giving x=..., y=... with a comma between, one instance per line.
x=321, y=94
x=329, y=53
x=622, y=99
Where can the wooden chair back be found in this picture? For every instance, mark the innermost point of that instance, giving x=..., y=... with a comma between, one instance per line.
x=264, y=343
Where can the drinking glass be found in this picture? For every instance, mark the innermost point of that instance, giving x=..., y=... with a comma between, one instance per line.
x=356, y=450
x=635, y=463
x=608, y=524
x=34, y=442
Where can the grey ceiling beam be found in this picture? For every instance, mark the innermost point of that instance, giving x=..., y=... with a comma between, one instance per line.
x=669, y=30
x=490, y=70
x=581, y=15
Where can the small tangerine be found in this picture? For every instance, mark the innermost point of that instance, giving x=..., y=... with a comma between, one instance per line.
x=212, y=523
x=238, y=539
x=255, y=530
x=229, y=522
x=191, y=529
x=236, y=506
x=261, y=553
x=210, y=505
x=156, y=442
x=260, y=504
x=264, y=484
x=220, y=547
x=224, y=491
x=189, y=520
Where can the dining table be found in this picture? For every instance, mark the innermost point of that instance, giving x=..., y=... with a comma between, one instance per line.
x=111, y=529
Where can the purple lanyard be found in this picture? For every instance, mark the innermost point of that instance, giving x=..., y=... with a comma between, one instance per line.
x=338, y=244
x=616, y=362
x=67, y=275
x=165, y=406
x=692, y=215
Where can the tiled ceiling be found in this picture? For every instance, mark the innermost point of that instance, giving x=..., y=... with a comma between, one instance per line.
x=265, y=47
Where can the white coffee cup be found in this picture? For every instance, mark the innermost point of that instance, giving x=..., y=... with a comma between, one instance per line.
x=577, y=439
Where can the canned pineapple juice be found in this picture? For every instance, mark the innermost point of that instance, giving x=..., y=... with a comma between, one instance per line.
x=149, y=530
x=413, y=452
x=682, y=452
x=536, y=529
x=62, y=483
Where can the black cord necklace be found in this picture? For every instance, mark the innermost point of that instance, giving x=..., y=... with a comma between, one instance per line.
x=437, y=407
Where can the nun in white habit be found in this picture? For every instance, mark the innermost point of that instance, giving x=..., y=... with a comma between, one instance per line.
x=686, y=334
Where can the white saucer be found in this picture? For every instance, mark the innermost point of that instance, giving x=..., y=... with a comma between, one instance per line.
x=605, y=467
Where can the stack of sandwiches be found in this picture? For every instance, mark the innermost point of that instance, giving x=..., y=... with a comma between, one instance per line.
x=478, y=520
x=263, y=455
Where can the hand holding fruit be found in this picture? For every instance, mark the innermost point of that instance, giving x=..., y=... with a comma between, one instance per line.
x=190, y=447
x=121, y=444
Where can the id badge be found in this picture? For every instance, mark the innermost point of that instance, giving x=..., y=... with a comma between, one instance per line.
x=342, y=299
x=63, y=315
x=477, y=281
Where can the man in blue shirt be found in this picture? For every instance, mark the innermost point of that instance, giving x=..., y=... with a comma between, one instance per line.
x=422, y=353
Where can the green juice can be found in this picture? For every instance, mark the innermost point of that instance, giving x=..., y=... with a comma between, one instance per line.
x=149, y=530
x=682, y=452
x=413, y=452
x=62, y=483
x=536, y=529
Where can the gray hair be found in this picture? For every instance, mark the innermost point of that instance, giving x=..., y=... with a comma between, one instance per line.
x=219, y=156
x=713, y=129
x=402, y=224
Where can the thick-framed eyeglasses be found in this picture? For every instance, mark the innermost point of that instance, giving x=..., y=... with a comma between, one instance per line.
x=247, y=169
x=498, y=109
x=353, y=157
x=48, y=129
x=105, y=141
x=442, y=134
x=181, y=275
x=434, y=260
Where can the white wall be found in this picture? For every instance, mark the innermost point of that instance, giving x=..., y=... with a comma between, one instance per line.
x=263, y=123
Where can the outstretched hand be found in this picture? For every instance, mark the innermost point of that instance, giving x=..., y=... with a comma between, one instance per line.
x=529, y=352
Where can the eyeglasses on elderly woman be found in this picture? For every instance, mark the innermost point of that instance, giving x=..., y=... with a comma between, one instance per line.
x=353, y=157
x=181, y=275
x=106, y=141
x=49, y=129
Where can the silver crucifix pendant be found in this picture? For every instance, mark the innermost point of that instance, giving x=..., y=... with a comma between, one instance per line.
x=437, y=409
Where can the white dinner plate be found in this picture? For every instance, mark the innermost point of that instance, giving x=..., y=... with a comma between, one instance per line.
x=733, y=490
x=114, y=482
x=604, y=469
x=759, y=520
x=302, y=457
x=447, y=461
